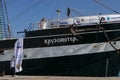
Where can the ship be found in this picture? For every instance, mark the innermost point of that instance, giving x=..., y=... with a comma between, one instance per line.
x=73, y=46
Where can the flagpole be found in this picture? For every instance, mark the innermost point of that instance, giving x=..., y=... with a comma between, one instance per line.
x=14, y=67
x=15, y=73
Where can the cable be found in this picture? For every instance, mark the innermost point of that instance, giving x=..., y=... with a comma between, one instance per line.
x=26, y=10
x=107, y=37
x=12, y=2
x=76, y=11
x=98, y=2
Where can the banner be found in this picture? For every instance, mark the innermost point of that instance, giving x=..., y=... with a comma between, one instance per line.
x=18, y=54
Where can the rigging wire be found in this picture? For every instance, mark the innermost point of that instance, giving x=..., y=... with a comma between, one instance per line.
x=12, y=2
x=76, y=11
x=55, y=8
x=26, y=10
x=87, y=12
x=66, y=7
x=32, y=16
x=100, y=3
x=58, y=6
x=71, y=10
x=115, y=47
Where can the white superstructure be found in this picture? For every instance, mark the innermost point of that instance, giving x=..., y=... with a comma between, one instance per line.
x=85, y=20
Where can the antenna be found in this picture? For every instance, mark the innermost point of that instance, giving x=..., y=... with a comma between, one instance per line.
x=58, y=13
x=68, y=12
x=98, y=2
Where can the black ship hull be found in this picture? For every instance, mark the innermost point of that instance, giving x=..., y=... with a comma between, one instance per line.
x=101, y=64
x=101, y=59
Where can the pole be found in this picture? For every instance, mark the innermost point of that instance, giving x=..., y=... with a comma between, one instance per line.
x=8, y=23
x=58, y=14
x=106, y=69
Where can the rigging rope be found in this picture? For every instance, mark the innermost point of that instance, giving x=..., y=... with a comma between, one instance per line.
x=27, y=10
x=115, y=47
x=13, y=2
x=76, y=11
x=107, y=37
x=74, y=32
x=106, y=6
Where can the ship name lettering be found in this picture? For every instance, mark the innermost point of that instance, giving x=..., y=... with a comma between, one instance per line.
x=60, y=40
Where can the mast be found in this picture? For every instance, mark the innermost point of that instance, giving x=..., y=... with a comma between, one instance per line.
x=7, y=21
x=4, y=31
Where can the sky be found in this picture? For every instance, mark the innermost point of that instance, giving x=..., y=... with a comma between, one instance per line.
x=21, y=13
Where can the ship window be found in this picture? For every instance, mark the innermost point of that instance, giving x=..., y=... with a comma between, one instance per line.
x=1, y=52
